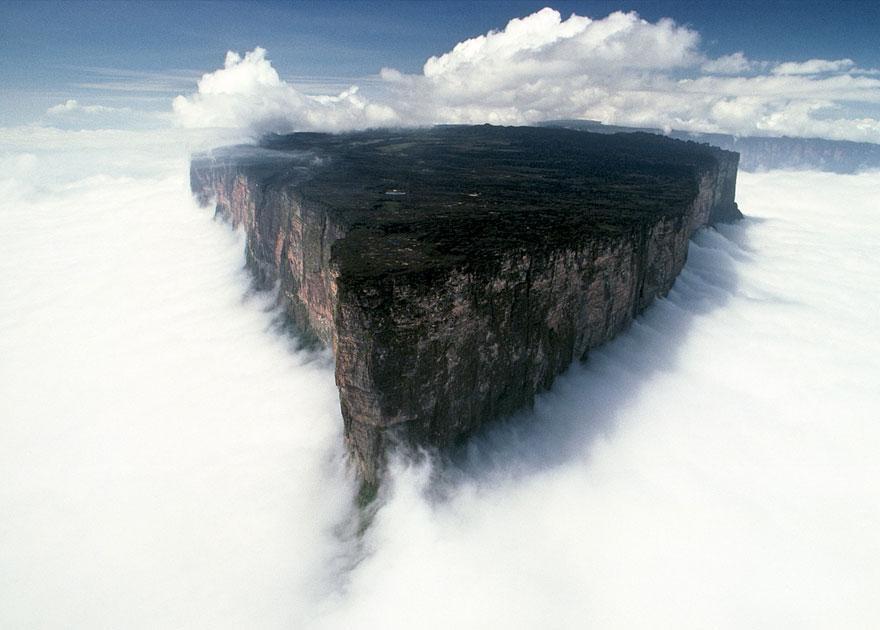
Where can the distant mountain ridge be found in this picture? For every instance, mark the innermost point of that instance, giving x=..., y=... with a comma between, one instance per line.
x=760, y=153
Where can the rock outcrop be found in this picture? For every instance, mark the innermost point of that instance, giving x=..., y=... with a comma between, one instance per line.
x=456, y=271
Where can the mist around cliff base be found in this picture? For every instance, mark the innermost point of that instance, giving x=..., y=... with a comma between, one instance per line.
x=170, y=460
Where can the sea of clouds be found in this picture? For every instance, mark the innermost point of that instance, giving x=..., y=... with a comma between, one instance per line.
x=170, y=459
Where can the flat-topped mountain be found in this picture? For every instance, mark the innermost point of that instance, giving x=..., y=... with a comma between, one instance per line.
x=456, y=271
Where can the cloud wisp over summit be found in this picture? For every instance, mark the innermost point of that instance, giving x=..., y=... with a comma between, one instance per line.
x=620, y=69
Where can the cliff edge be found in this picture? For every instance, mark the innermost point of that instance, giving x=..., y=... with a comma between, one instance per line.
x=456, y=271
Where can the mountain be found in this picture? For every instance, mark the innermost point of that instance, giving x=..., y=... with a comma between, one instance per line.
x=456, y=271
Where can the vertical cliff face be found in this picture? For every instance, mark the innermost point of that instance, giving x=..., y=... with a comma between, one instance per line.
x=444, y=319
x=288, y=240
x=429, y=362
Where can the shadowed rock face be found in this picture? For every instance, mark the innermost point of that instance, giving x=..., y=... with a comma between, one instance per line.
x=456, y=271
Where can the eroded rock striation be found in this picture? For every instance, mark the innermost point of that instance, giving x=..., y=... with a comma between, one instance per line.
x=456, y=271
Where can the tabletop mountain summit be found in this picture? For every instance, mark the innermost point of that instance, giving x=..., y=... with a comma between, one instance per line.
x=456, y=271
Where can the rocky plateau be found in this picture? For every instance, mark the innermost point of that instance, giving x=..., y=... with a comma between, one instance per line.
x=456, y=271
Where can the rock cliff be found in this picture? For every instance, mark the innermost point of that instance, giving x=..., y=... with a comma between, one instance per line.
x=456, y=271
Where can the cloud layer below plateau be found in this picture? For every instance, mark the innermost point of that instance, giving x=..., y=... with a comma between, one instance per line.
x=170, y=461
x=620, y=69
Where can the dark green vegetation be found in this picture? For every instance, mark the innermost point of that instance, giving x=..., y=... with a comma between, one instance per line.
x=420, y=200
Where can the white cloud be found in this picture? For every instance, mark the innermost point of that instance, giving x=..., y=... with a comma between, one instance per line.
x=166, y=458
x=72, y=105
x=736, y=63
x=671, y=477
x=73, y=115
x=619, y=69
x=248, y=93
x=140, y=488
x=543, y=44
x=814, y=66
x=68, y=106
x=542, y=67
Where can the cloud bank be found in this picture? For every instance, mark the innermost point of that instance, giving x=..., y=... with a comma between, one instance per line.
x=142, y=488
x=248, y=93
x=168, y=460
x=620, y=69
x=712, y=467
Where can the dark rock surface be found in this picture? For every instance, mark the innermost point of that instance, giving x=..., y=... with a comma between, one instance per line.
x=456, y=271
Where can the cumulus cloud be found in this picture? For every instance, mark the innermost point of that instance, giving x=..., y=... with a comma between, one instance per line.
x=543, y=44
x=248, y=93
x=619, y=69
x=542, y=66
x=735, y=63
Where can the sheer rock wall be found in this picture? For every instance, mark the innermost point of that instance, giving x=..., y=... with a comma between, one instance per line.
x=430, y=354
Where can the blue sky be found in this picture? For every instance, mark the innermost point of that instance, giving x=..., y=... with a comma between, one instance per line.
x=142, y=53
x=50, y=45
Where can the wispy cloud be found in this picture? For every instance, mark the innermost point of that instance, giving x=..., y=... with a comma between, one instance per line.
x=814, y=66
x=135, y=81
x=72, y=105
